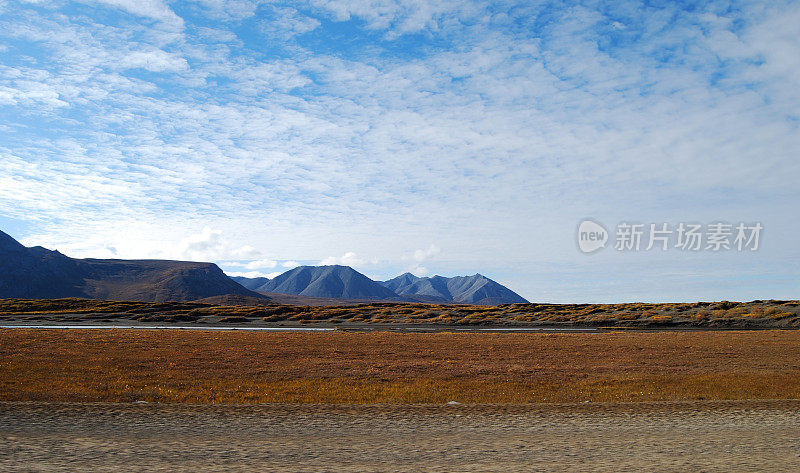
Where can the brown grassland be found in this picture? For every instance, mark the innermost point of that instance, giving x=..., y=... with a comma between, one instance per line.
x=724, y=314
x=199, y=366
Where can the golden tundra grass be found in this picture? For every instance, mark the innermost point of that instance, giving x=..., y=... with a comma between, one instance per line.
x=384, y=367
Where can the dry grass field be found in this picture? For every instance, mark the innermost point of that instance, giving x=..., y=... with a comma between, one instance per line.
x=197, y=366
x=755, y=314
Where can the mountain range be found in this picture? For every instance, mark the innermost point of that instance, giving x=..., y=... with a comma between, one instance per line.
x=475, y=289
x=343, y=282
x=340, y=282
x=39, y=273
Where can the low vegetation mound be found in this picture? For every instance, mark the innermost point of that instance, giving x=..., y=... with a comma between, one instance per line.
x=755, y=314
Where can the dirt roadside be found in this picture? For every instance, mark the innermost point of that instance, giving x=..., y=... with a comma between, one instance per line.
x=729, y=436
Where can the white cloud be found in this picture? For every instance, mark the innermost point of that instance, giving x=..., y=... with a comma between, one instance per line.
x=209, y=245
x=261, y=264
x=252, y=274
x=347, y=259
x=218, y=35
x=229, y=10
x=431, y=251
x=154, y=60
x=155, y=9
x=245, y=252
x=290, y=264
x=401, y=16
x=419, y=256
x=288, y=22
x=489, y=139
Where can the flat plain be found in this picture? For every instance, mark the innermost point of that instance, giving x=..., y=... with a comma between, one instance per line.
x=117, y=400
x=200, y=366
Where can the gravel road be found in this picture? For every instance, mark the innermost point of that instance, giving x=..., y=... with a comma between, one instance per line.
x=660, y=437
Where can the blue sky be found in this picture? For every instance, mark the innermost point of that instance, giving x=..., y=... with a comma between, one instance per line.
x=436, y=137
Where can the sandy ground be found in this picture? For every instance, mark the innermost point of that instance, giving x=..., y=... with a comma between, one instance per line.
x=657, y=437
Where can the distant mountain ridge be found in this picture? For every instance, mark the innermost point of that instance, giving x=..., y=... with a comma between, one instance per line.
x=343, y=282
x=475, y=289
x=39, y=273
x=335, y=281
x=250, y=283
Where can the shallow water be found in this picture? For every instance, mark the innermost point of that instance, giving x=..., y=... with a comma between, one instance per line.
x=307, y=329
x=175, y=327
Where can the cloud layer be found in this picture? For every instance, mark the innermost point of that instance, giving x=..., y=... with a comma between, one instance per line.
x=300, y=130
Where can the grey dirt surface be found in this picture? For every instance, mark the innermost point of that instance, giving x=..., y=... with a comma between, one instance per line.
x=735, y=436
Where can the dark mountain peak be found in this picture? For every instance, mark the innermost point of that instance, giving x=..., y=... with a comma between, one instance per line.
x=473, y=277
x=331, y=281
x=7, y=243
x=479, y=289
x=404, y=280
x=337, y=270
x=39, y=273
x=475, y=289
x=429, y=289
x=250, y=283
x=330, y=268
